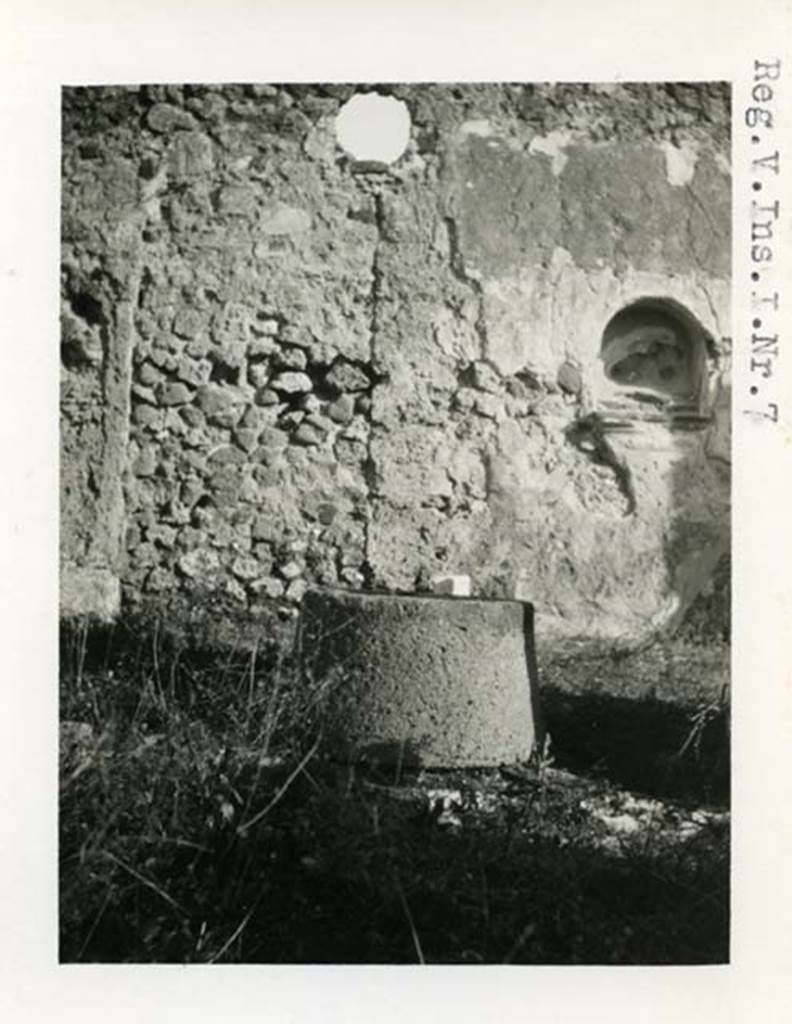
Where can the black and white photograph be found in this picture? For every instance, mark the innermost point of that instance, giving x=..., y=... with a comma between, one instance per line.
x=395, y=480
x=396, y=580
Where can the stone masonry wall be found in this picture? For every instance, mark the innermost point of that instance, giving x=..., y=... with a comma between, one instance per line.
x=280, y=366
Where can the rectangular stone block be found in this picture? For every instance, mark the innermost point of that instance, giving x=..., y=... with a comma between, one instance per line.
x=455, y=586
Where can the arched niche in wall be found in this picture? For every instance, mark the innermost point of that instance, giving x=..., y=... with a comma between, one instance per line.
x=654, y=355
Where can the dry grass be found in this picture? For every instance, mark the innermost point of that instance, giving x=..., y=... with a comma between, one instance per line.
x=198, y=824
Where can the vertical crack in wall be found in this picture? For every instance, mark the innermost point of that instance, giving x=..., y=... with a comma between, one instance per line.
x=457, y=264
x=369, y=465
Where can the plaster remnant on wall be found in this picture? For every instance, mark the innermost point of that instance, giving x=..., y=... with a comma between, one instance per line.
x=481, y=127
x=680, y=164
x=553, y=145
x=285, y=220
x=369, y=376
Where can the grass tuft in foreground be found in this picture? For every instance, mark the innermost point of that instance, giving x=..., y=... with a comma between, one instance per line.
x=198, y=824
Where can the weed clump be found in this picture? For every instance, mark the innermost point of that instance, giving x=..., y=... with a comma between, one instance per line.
x=199, y=824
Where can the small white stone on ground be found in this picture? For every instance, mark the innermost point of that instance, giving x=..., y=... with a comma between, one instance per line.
x=456, y=586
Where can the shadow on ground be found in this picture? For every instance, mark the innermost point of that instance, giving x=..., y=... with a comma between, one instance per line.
x=197, y=827
x=645, y=745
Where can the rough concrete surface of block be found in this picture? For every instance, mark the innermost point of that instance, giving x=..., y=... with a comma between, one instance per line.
x=421, y=680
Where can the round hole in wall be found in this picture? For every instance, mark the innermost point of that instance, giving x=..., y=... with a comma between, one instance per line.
x=371, y=127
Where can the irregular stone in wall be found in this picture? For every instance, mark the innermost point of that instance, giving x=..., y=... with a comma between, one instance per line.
x=201, y=562
x=162, y=535
x=190, y=155
x=215, y=402
x=148, y=374
x=188, y=324
x=485, y=378
x=227, y=455
x=342, y=410
x=291, y=419
x=246, y=568
x=296, y=590
x=192, y=416
x=491, y=406
x=253, y=418
x=569, y=378
x=246, y=438
x=237, y=200
x=272, y=437
x=292, y=383
x=350, y=452
x=194, y=372
x=144, y=415
x=258, y=374
x=146, y=555
x=165, y=118
x=234, y=589
x=353, y=577
x=291, y=570
x=326, y=513
x=347, y=377
x=320, y=423
x=311, y=404
x=268, y=587
x=146, y=463
x=266, y=528
x=307, y=434
x=162, y=358
x=269, y=327
x=266, y=397
x=174, y=393
x=191, y=491
x=227, y=365
x=190, y=538
x=292, y=359
x=195, y=438
x=231, y=326
x=268, y=473
x=285, y=220
x=197, y=348
x=226, y=482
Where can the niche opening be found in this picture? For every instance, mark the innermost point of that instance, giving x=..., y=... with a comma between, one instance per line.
x=654, y=356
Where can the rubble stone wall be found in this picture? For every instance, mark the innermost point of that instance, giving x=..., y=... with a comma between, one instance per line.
x=281, y=367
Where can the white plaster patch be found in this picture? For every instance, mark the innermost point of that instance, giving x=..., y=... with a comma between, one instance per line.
x=285, y=220
x=481, y=127
x=680, y=164
x=554, y=146
x=723, y=163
